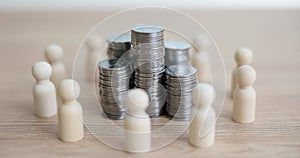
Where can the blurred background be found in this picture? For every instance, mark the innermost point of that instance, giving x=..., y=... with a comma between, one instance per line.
x=27, y=27
x=88, y=5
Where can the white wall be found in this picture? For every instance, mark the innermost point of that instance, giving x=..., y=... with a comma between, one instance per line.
x=82, y=5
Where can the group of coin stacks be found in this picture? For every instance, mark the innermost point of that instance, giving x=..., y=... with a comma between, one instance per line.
x=167, y=83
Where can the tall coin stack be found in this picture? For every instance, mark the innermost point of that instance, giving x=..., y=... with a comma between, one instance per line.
x=179, y=81
x=118, y=45
x=113, y=85
x=148, y=52
x=177, y=53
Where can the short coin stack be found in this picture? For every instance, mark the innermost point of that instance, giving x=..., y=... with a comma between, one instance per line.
x=118, y=48
x=148, y=52
x=179, y=81
x=118, y=45
x=177, y=53
x=113, y=85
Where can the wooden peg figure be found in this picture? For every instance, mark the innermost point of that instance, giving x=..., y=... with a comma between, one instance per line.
x=203, y=74
x=54, y=55
x=243, y=56
x=94, y=45
x=94, y=42
x=44, y=94
x=203, y=117
x=91, y=64
x=70, y=121
x=244, y=97
x=202, y=42
x=137, y=123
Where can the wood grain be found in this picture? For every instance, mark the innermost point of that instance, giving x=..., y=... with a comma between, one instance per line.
x=274, y=37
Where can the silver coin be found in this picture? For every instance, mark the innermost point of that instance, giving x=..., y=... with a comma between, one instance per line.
x=151, y=87
x=114, y=77
x=115, y=74
x=115, y=54
x=119, y=39
x=114, y=83
x=179, y=111
x=155, y=78
x=112, y=111
x=179, y=80
x=112, y=90
x=153, y=44
x=180, y=71
x=140, y=71
x=179, y=100
x=148, y=58
x=149, y=75
x=181, y=87
x=177, y=45
x=119, y=116
x=147, y=33
x=120, y=43
x=179, y=93
x=112, y=65
x=117, y=88
x=114, y=71
x=177, y=53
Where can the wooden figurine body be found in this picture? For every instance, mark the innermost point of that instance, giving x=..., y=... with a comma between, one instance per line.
x=203, y=74
x=204, y=119
x=202, y=126
x=233, y=82
x=244, y=97
x=59, y=73
x=70, y=121
x=54, y=55
x=243, y=56
x=92, y=60
x=94, y=44
x=137, y=122
x=44, y=93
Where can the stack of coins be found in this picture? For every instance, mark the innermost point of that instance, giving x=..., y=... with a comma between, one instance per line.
x=118, y=45
x=113, y=85
x=148, y=52
x=179, y=81
x=177, y=53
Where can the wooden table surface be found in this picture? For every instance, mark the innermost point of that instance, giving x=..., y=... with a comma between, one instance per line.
x=274, y=37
